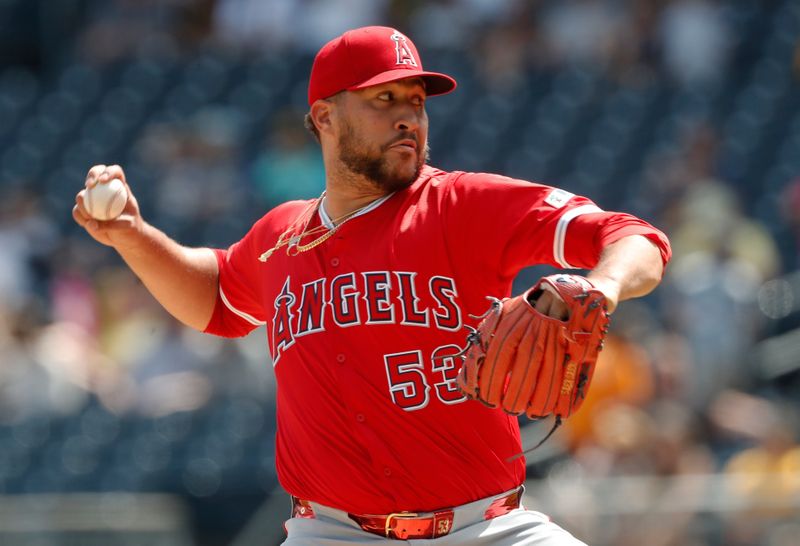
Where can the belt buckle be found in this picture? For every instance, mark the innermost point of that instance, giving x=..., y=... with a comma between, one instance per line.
x=396, y=515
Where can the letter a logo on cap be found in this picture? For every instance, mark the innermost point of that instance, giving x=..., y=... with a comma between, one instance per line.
x=404, y=55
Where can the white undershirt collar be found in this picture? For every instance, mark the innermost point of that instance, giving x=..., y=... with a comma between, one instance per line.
x=326, y=221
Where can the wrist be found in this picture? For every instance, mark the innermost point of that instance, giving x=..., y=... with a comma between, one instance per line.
x=609, y=286
x=136, y=240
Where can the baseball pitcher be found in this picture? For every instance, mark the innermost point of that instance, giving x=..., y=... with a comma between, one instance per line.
x=401, y=361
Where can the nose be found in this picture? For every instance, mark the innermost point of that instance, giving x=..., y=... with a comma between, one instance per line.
x=406, y=124
x=409, y=119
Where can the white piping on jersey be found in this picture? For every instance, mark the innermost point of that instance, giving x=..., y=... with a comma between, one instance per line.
x=561, y=232
x=328, y=223
x=249, y=318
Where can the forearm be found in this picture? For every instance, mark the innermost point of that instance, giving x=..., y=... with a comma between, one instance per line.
x=628, y=268
x=184, y=280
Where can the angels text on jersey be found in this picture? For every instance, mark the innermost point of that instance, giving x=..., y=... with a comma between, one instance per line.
x=378, y=298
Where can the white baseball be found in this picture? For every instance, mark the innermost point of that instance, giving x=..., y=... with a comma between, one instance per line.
x=105, y=201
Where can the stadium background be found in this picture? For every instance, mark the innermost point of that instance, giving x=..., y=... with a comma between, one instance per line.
x=117, y=426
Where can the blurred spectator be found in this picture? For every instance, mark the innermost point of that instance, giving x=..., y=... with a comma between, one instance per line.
x=721, y=258
x=27, y=237
x=453, y=23
x=790, y=214
x=582, y=31
x=23, y=382
x=75, y=367
x=145, y=351
x=506, y=51
x=635, y=47
x=290, y=165
x=689, y=156
x=169, y=376
x=494, y=11
x=322, y=20
x=711, y=297
x=158, y=366
x=765, y=476
x=198, y=195
x=711, y=221
x=440, y=24
x=796, y=60
x=673, y=362
x=658, y=440
x=72, y=292
x=265, y=25
x=622, y=376
x=121, y=28
x=305, y=25
x=696, y=41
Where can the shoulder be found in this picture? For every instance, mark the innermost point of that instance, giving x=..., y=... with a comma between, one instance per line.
x=480, y=180
x=472, y=180
x=434, y=175
x=283, y=216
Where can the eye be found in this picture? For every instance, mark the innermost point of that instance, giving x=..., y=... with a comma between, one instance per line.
x=418, y=100
x=386, y=96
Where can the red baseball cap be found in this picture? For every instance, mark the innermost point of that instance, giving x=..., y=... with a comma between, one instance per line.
x=370, y=56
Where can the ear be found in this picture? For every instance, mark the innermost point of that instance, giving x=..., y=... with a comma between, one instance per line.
x=321, y=114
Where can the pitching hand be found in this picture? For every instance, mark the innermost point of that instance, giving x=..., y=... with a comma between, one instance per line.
x=122, y=229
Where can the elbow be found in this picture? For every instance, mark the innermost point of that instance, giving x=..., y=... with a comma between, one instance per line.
x=652, y=272
x=653, y=276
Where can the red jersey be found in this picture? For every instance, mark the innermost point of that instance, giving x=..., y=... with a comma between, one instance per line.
x=362, y=329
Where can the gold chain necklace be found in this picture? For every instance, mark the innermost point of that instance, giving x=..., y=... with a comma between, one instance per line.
x=292, y=242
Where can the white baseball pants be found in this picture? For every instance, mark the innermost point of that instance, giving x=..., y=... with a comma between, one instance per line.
x=519, y=527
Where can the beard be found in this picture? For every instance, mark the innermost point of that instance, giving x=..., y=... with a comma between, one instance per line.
x=355, y=154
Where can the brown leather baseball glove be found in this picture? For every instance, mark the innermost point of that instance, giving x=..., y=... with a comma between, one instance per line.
x=526, y=362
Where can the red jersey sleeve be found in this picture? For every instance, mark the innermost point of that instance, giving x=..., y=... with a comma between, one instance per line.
x=239, y=307
x=606, y=228
x=512, y=223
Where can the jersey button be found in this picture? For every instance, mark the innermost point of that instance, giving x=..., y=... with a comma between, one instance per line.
x=387, y=472
x=340, y=358
x=360, y=418
x=335, y=262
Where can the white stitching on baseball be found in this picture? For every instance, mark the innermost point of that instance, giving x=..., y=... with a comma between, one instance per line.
x=110, y=205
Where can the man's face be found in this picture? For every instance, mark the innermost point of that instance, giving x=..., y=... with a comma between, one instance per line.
x=383, y=133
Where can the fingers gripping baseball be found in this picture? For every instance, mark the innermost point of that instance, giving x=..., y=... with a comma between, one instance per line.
x=106, y=207
x=526, y=361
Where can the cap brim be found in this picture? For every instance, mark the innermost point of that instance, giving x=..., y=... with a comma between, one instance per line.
x=435, y=83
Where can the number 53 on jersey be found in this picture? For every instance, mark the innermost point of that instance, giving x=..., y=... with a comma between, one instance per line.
x=410, y=387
